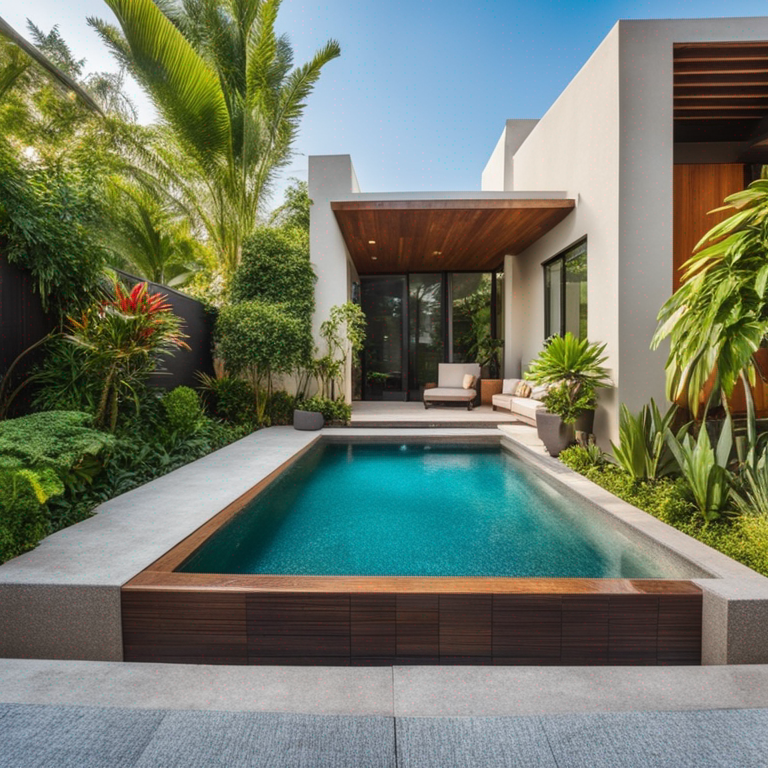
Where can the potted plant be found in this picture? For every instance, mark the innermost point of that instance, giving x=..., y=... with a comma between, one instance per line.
x=572, y=370
x=488, y=353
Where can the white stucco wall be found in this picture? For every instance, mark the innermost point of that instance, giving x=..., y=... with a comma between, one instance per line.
x=575, y=147
x=498, y=174
x=645, y=186
x=331, y=177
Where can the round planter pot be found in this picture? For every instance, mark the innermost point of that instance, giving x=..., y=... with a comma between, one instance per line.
x=585, y=423
x=555, y=435
x=308, y=421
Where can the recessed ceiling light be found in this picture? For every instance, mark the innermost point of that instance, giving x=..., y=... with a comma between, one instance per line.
x=437, y=253
x=371, y=242
x=374, y=258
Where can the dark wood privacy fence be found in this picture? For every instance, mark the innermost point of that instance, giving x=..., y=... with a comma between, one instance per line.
x=23, y=322
x=382, y=621
x=181, y=367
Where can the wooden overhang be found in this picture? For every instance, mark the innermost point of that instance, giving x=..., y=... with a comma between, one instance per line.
x=720, y=90
x=391, y=236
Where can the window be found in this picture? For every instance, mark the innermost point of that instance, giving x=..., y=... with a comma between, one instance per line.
x=565, y=292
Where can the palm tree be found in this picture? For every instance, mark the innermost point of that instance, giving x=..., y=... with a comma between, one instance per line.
x=229, y=98
x=718, y=318
x=149, y=239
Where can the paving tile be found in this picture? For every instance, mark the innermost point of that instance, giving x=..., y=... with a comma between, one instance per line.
x=240, y=739
x=37, y=736
x=470, y=742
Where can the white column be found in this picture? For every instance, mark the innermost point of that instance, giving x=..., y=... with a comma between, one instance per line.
x=512, y=327
x=331, y=177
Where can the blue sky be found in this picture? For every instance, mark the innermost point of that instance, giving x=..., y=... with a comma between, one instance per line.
x=423, y=87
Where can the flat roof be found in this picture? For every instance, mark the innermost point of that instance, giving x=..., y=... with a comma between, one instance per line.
x=388, y=236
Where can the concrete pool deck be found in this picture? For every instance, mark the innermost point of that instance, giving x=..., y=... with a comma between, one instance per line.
x=62, y=600
x=391, y=691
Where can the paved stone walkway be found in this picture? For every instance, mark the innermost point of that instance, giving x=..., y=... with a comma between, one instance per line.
x=37, y=736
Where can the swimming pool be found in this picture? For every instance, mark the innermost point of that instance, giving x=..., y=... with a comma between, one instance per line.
x=413, y=553
x=419, y=510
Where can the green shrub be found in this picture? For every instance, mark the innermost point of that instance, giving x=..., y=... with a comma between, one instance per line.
x=260, y=340
x=332, y=410
x=280, y=408
x=230, y=399
x=63, y=380
x=275, y=269
x=42, y=456
x=581, y=458
x=49, y=221
x=57, y=440
x=183, y=411
x=23, y=515
x=744, y=538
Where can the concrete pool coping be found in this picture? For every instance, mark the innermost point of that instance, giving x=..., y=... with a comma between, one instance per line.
x=62, y=600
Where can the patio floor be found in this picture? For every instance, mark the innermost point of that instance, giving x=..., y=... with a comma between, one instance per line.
x=377, y=413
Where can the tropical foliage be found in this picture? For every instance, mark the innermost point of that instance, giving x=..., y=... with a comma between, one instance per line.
x=230, y=99
x=718, y=318
x=122, y=339
x=40, y=456
x=643, y=451
x=150, y=238
x=573, y=370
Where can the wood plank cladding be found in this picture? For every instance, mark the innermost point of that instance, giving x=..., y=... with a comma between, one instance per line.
x=649, y=622
x=697, y=190
x=385, y=237
x=719, y=90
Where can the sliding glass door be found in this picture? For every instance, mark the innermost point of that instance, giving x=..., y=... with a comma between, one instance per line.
x=385, y=361
x=417, y=321
x=426, y=344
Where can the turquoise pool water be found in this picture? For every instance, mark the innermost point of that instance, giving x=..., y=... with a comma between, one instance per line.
x=419, y=510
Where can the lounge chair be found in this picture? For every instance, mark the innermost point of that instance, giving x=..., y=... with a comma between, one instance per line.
x=450, y=385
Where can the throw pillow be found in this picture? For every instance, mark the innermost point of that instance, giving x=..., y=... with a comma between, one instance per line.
x=509, y=386
x=523, y=389
x=539, y=392
x=469, y=380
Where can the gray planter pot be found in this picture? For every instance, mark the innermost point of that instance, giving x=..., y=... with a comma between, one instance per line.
x=585, y=423
x=308, y=421
x=555, y=435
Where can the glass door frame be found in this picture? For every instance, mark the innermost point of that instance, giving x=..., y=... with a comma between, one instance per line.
x=446, y=317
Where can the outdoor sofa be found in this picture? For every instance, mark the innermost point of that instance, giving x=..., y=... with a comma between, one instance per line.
x=451, y=380
x=523, y=407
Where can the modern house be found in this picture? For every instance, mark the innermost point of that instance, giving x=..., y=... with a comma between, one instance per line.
x=582, y=221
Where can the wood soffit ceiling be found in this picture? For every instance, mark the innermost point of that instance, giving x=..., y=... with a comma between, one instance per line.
x=390, y=237
x=720, y=90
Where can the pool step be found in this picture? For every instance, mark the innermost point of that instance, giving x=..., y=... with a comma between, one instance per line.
x=522, y=433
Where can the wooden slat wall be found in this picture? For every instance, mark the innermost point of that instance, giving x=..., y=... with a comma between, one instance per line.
x=698, y=189
x=656, y=626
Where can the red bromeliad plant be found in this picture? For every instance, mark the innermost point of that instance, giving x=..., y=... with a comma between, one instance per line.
x=124, y=338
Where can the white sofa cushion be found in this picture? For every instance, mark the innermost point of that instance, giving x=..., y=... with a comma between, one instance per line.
x=451, y=375
x=525, y=406
x=449, y=393
x=508, y=386
x=502, y=401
